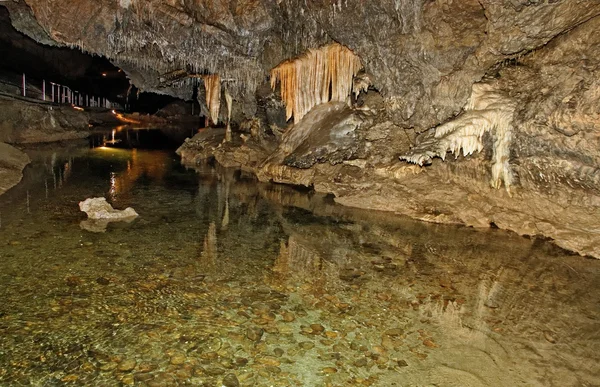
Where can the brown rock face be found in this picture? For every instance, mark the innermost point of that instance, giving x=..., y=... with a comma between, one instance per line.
x=422, y=59
x=27, y=122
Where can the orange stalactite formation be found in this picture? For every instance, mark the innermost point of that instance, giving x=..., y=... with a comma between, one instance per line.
x=212, y=86
x=318, y=76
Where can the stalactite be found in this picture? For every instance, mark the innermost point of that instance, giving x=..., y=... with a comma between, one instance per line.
x=212, y=86
x=319, y=76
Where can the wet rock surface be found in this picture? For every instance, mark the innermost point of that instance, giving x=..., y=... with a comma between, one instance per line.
x=28, y=122
x=295, y=291
x=12, y=162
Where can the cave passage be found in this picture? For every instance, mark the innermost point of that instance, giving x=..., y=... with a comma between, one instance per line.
x=43, y=68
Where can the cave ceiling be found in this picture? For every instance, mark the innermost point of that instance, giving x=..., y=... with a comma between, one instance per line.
x=423, y=55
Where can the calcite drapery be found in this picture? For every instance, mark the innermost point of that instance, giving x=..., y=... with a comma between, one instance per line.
x=212, y=85
x=318, y=76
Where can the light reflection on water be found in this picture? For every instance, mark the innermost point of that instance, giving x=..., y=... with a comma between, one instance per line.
x=222, y=278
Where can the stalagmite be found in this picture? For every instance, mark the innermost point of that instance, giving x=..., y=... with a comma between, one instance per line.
x=212, y=86
x=488, y=110
x=229, y=101
x=318, y=76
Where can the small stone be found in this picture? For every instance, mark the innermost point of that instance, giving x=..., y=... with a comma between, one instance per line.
x=382, y=360
x=273, y=369
x=178, y=359
x=254, y=334
x=402, y=363
x=128, y=380
x=317, y=328
x=270, y=316
x=445, y=283
x=214, y=371
x=362, y=362
x=230, y=380
x=268, y=360
x=102, y=281
x=429, y=343
x=127, y=365
x=146, y=367
x=278, y=352
x=549, y=336
x=108, y=366
x=394, y=332
x=306, y=345
x=288, y=316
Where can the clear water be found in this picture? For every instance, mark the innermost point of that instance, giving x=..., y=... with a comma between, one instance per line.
x=223, y=281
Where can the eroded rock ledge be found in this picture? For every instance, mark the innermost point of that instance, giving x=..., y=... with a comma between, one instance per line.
x=28, y=122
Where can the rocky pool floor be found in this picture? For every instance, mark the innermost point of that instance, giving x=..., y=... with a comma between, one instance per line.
x=223, y=281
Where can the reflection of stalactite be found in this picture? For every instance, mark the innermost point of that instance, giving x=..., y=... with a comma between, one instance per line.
x=282, y=262
x=319, y=76
x=307, y=264
x=220, y=200
x=229, y=101
x=209, y=252
x=225, y=221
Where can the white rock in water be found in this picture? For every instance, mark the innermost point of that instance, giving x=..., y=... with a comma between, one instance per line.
x=98, y=208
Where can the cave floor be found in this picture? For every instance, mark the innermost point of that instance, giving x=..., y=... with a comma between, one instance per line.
x=223, y=281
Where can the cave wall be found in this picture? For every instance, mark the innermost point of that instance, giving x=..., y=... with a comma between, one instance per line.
x=423, y=58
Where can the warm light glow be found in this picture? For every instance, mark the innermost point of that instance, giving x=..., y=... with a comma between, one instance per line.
x=77, y=108
x=113, y=112
x=103, y=74
x=122, y=118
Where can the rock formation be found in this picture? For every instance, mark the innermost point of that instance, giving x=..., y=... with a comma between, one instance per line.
x=12, y=162
x=29, y=122
x=100, y=213
x=514, y=80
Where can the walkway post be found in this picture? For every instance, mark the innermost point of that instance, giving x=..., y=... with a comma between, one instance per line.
x=43, y=89
x=24, y=85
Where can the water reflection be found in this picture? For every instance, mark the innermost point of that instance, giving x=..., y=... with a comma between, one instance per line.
x=141, y=137
x=223, y=280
